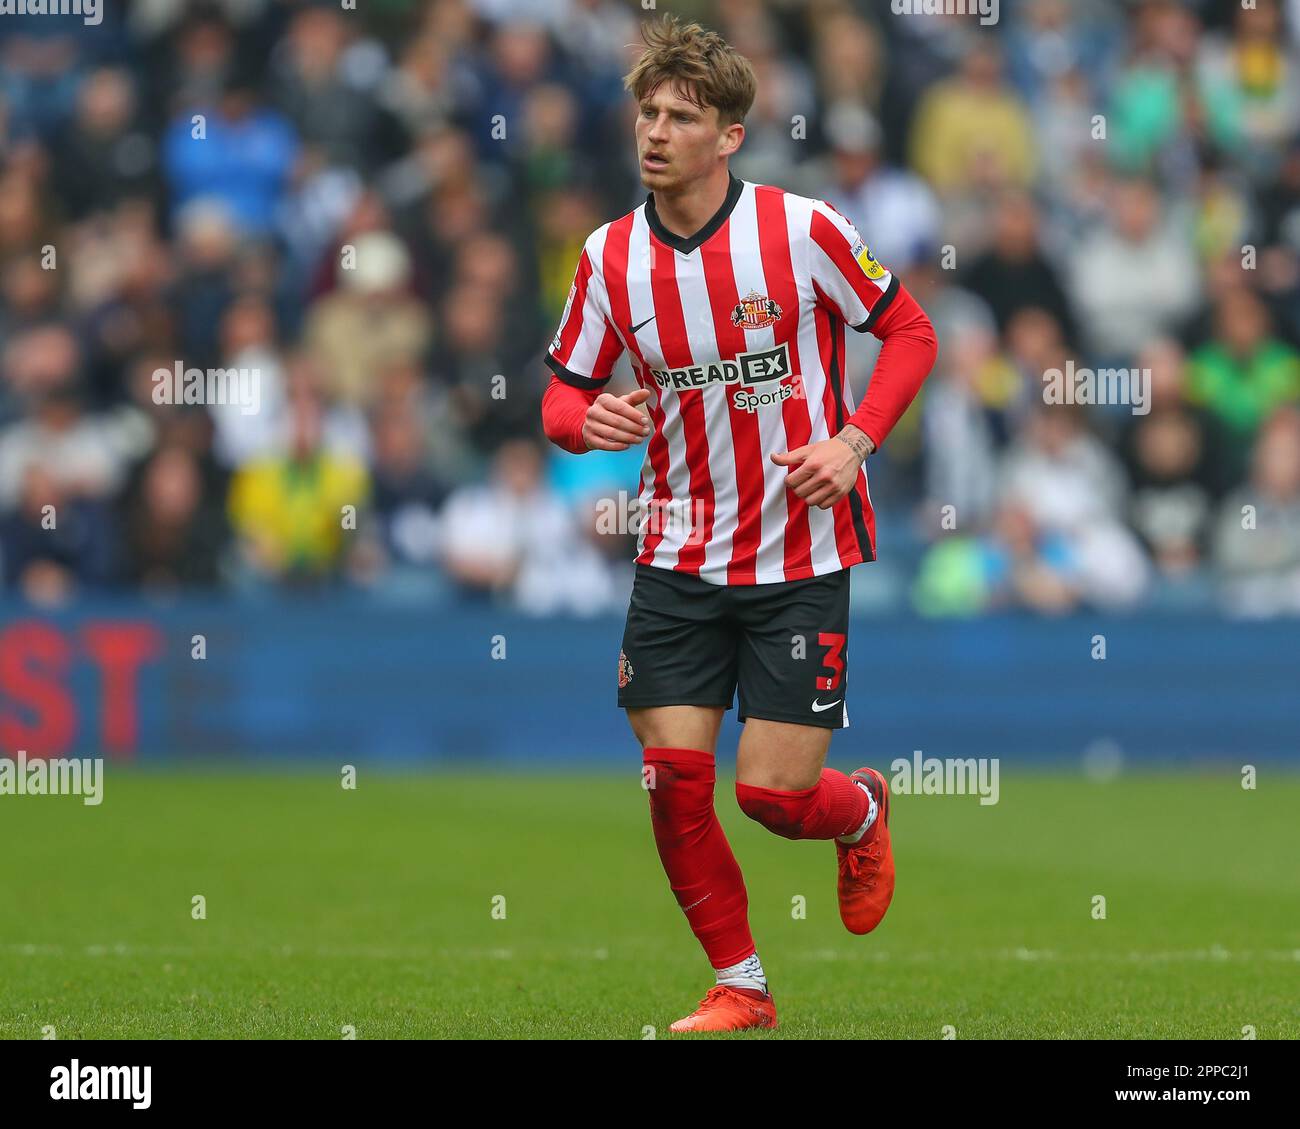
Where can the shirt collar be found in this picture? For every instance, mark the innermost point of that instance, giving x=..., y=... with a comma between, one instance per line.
x=688, y=243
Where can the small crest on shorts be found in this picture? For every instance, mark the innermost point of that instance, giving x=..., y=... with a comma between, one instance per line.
x=755, y=311
x=624, y=670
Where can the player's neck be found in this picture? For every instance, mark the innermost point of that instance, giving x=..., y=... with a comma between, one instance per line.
x=685, y=212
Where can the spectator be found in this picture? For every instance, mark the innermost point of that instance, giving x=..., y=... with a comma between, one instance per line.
x=1135, y=279
x=241, y=153
x=371, y=319
x=1244, y=373
x=1257, y=534
x=1014, y=274
x=81, y=453
x=1017, y=565
x=329, y=113
x=29, y=295
x=102, y=159
x=894, y=209
x=1250, y=71
x=204, y=285
x=248, y=343
x=56, y=542
x=513, y=539
x=293, y=513
x=960, y=434
x=174, y=533
x=972, y=130
x=1068, y=483
x=406, y=497
x=473, y=364
x=1177, y=463
x=1160, y=115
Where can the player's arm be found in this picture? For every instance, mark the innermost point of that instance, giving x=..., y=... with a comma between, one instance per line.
x=907, y=354
x=856, y=288
x=581, y=421
x=577, y=414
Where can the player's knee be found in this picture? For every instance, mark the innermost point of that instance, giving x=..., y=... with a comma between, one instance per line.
x=774, y=810
x=678, y=781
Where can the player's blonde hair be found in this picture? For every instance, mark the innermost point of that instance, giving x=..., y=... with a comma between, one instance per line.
x=701, y=65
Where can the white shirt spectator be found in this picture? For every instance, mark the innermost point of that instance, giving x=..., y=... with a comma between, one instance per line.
x=1079, y=492
x=556, y=570
x=1129, y=292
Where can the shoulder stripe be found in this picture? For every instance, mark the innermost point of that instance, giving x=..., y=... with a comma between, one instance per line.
x=586, y=383
x=882, y=304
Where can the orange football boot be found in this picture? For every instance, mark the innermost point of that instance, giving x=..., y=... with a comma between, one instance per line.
x=866, y=882
x=729, y=1009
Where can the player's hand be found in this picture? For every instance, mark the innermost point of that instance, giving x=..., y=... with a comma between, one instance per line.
x=614, y=423
x=823, y=472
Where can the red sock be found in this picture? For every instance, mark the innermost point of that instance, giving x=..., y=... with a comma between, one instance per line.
x=697, y=858
x=833, y=806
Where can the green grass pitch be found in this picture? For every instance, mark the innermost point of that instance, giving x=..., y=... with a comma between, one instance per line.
x=379, y=909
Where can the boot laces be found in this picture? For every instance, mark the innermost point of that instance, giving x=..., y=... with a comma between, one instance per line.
x=861, y=862
x=717, y=992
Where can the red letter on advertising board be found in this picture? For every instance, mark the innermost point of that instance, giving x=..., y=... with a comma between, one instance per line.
x=34, y=659
x=120, y=649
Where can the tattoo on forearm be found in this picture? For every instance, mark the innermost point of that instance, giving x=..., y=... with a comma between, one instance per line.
x=858, y=440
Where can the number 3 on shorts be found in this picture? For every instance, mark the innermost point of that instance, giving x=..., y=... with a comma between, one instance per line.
x=834, y=661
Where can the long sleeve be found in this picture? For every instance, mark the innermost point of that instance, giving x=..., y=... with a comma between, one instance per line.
x=582, y=354
x=564, y=410
x=906, y=358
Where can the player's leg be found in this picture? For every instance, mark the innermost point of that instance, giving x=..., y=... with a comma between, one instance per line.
x=780, y=754
x=793, y=677
x=679, y=778
x=782, y=784
x=691, y=727
x=677, y=676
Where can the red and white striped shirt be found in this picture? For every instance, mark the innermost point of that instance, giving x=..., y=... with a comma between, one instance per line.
x=739, y=333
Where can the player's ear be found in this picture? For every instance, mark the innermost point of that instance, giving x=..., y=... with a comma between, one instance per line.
x=732, y=136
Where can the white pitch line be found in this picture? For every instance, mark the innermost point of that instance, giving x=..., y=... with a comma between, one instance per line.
x=1216, y=953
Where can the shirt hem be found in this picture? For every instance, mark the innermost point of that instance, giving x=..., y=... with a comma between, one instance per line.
x=803, y=572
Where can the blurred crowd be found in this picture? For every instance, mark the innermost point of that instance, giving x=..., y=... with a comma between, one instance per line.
x=378, y=211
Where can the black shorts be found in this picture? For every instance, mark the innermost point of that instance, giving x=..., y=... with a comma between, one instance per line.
x=691, y=643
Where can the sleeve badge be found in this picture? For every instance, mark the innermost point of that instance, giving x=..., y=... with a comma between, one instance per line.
x=871, y=268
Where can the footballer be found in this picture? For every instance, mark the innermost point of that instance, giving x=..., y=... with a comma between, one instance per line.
x=732, y=300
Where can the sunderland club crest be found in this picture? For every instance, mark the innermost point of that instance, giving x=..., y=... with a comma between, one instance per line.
x=755, y=311
x=624, y=670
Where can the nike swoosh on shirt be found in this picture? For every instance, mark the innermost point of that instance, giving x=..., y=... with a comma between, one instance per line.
x=635, y=329
x=818, y=707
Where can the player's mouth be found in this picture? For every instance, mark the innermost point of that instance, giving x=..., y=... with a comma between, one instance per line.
x=654, y=162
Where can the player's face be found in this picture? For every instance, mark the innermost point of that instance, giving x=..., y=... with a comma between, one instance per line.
x=677, y=142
